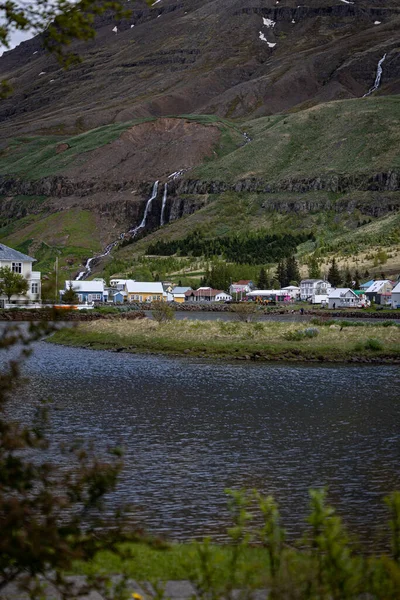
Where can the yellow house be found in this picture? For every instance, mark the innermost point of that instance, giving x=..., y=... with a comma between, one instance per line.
x=144, y=291
x=178, y=294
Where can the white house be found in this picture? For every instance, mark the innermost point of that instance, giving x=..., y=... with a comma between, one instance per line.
x=223, y=297
x=21, y=264
x=118, y=284
x=380, y=291
x=309, y=288
x=262, y=295
x=396, y=296
x=206, y=294
x=292, y=291
x=343, y=298
x=87, y=291
x=241, y=287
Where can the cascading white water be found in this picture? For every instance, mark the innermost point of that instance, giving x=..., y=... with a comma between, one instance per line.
x=247, y=138
x=83, y=274
x=146, y=210
x=164, y=202
x=377, y=78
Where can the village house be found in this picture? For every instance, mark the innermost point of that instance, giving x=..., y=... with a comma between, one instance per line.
x=145, y=291
x=343, y=298
x=367, y=284
x=87, y=291
x=177, y=294
x=396, y=296
x=118, y=284
x=293, y=291
x=311, y=289
x=22, y=264
x=119, y=297
x=380, y=292
x=241, y=288
x=206, y=294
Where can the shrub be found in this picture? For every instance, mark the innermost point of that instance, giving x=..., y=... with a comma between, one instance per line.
x=301, y=334
x=373, y=344
x=108, y=310
x=311, y=332
x=245, y=311
x=162, y=311
x=294, y=336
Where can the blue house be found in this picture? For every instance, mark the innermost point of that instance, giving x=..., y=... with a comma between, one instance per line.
x=87, y=291
x=119, y=297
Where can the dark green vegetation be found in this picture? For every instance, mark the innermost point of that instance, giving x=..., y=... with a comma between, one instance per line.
x=323, y=564
x=251, y=248
x=256, y=340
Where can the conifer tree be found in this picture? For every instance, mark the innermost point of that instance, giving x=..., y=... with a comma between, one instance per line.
x=263, y=280
x=314, y=271
x=70, y=296
x=334, y=276
x=292, y=274
x=348, y=280
x=356, y=280
x=281, y=273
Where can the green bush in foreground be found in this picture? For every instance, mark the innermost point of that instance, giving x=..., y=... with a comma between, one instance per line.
x=324, y=563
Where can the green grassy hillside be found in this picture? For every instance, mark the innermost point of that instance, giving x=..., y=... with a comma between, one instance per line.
x=349, y=136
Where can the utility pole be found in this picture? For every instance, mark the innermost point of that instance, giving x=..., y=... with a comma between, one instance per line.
x=56, y=266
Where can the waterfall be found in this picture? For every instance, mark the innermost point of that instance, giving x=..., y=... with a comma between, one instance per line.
x=247, y=138
x=377, y=78
x=88, y=269
x=146, y=210
x=83, y=274
x=164, y=202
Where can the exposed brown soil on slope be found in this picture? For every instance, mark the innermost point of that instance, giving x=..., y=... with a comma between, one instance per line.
x=159, y=147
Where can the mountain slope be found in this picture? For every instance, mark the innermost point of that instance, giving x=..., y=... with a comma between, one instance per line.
x=233, y=58
x=258, y=105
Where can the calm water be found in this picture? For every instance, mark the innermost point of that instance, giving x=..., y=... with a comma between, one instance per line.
x=192, y=428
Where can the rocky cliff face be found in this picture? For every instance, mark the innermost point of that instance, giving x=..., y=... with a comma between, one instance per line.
x=117, y=204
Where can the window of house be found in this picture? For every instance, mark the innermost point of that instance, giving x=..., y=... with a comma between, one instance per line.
x=16, y=267
x=35, y=288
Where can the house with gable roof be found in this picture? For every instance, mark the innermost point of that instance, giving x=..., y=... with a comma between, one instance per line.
x=343, y=298
x=145, y=291
x=396, y=296
x=380, y=291
x=87, y=291
x=22, y=264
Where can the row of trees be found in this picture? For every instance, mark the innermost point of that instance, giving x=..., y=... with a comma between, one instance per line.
x=252, y=248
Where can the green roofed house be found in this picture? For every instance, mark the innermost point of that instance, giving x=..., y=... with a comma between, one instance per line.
x=21, y=263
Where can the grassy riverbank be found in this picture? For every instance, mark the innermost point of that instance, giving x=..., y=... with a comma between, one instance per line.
x=237, y=340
